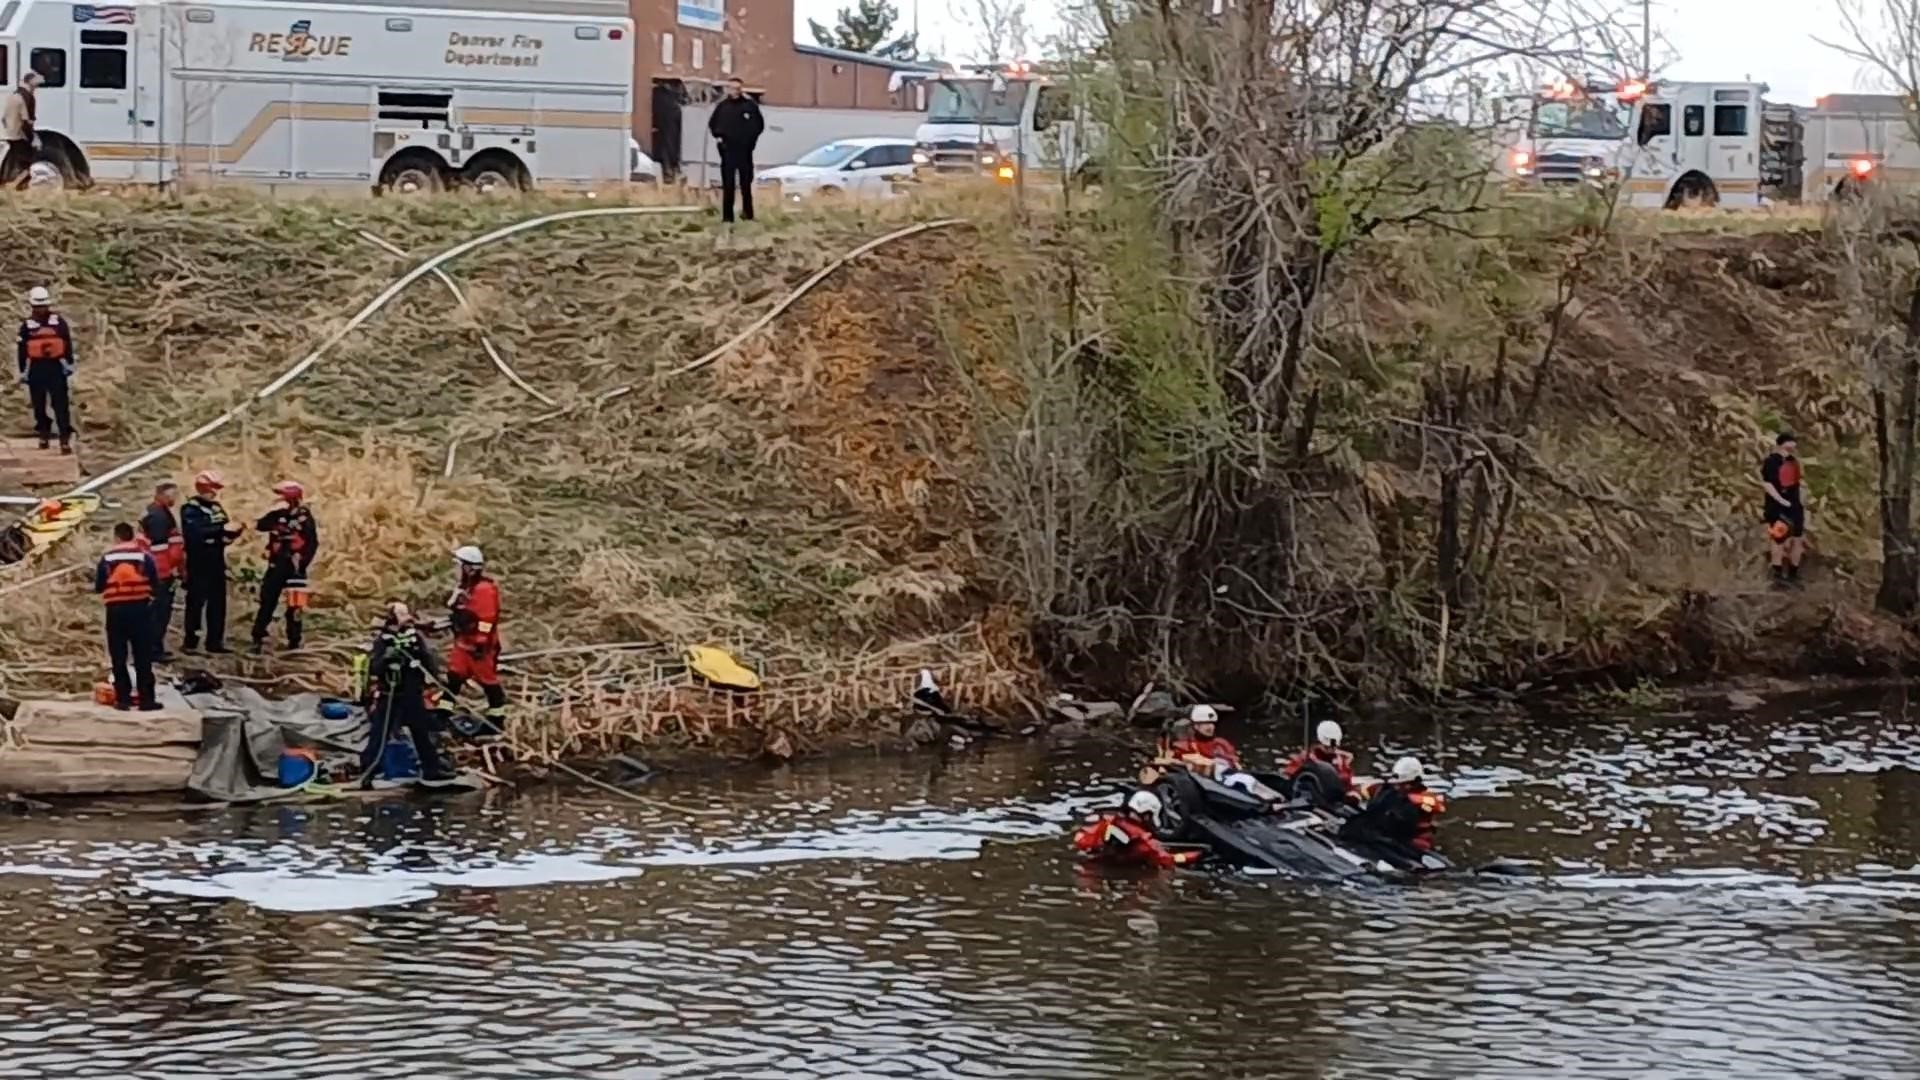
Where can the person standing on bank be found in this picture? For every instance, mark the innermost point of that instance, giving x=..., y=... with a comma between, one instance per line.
x=125, y=580
x=208, y=532
x=292, y=541
x=1785, y=510
x=169, y=550
x=17, y=126
x=46, y=365
x=736, y=125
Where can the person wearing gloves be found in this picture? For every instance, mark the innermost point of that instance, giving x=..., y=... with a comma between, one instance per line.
x=46, y=365
x=292, y=541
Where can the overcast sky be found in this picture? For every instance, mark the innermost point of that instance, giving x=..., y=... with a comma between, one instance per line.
x=1770, y=41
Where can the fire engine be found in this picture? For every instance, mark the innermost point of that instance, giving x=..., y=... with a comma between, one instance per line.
x=997, y=121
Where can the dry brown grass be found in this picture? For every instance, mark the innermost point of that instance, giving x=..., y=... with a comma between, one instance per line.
x=786, y=502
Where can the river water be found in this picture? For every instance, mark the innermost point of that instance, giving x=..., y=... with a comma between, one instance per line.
x=1716, y=895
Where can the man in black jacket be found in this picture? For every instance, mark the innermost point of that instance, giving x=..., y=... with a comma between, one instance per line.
x=736, y=125
x=204, y=524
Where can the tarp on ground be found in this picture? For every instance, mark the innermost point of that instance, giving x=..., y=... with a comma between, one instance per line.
x=244, y=735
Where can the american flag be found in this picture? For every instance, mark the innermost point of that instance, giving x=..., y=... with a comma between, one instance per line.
x=116, y=16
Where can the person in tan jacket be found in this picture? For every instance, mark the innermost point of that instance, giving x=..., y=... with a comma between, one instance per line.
x=16, y=124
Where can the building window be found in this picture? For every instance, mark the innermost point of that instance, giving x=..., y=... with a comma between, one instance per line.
x=666, y=50
x=699, y=50
x=726, y=59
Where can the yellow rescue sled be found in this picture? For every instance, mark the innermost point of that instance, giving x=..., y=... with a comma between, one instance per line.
x=719, y=668
x=44, y=526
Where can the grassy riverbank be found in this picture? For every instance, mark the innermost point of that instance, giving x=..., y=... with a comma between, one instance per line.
x=835, y=500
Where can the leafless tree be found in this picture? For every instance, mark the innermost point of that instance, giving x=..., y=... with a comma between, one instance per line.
x=1876, y=235
x=999, y=28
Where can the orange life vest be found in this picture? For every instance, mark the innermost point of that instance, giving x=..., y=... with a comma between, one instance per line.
x=126, y=575
x=44, y=341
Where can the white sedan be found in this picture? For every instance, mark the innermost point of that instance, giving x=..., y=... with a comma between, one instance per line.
x=868, y=167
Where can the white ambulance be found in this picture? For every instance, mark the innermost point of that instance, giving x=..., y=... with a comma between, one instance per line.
x=399, y=97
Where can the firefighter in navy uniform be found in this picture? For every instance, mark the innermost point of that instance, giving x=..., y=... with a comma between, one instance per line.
x=125, y=579
x=46, y=363
x=292, y=541
x=204, y=523
x=161, y=532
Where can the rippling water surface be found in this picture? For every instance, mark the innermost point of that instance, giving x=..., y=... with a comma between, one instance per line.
x=1715, y=896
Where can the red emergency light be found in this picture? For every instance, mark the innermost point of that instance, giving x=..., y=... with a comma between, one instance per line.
x=1862, y=167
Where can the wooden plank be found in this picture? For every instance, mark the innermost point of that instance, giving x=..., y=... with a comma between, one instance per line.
x=90, y=724
x=24, y=464
x=71, y=770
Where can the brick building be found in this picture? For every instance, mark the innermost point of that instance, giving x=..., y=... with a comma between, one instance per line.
x=685, y=50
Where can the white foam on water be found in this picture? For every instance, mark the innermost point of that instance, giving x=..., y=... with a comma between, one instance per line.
x=68, y=872
x=295, y=890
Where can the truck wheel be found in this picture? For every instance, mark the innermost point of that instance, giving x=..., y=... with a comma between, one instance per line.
x=1693, y=190
x=494, y=174
x=411, y=175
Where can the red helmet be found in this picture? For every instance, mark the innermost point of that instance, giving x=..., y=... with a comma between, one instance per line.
x=209, y=480
x=290, y=490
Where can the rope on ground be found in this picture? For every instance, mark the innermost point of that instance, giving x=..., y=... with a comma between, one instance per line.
x=371, y=309
x=48, y=576
x=732, y=343
x=460, y=297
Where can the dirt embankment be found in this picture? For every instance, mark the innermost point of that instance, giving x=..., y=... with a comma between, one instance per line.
x=1638, y=550
x=785, y=502
x=812, y=501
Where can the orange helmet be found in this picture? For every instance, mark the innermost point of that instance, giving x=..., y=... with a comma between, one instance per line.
x=290, y=490
x=209, y=480
x=1778, y=531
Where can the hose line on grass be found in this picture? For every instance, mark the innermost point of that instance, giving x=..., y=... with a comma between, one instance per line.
x=460, y=297
x=371, y=309
x=764, y=321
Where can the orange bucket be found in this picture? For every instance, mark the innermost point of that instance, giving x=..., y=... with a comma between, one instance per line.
x=103, y=694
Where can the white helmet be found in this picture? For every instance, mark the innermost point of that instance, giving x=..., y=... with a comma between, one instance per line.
x=1146, y=804
x=1328, y=733
x=1407, y=770
x=470, y=555
x=1202, y=714
x=38, y=296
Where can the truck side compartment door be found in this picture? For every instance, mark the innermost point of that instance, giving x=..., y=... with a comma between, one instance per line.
x=105, y=121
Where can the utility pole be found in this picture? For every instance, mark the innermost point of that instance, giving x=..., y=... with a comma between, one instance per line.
x=1646, y=40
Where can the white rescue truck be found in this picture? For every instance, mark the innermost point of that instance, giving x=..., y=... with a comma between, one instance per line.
x=402, y=97
x=1563, y=135
x=1673, y=144
x=1710, y=144
x=998, y=121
